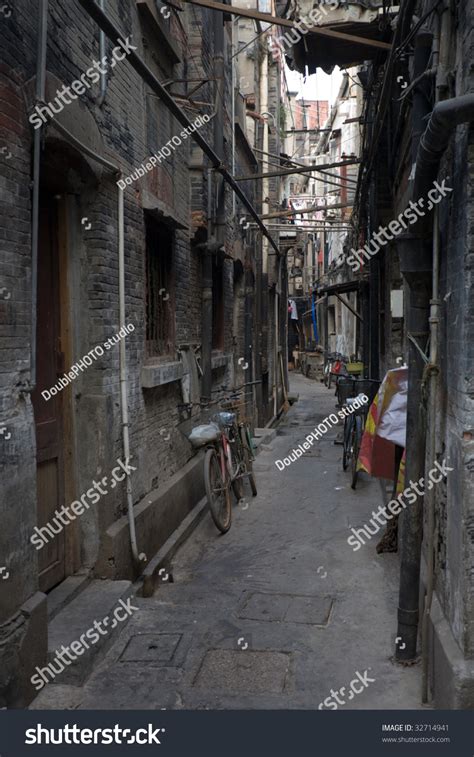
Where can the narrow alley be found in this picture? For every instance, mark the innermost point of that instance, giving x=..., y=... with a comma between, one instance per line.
x=236, y=374
x=273, y=614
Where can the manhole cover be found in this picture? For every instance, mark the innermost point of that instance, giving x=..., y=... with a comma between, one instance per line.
x=151, y=647
x=311, y=610
x=250, y=671
x=288, y=608
x=265, y=606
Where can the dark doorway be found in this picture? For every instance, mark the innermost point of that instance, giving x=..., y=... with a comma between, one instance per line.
x=49, y=413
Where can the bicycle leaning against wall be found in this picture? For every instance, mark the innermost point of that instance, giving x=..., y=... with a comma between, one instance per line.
x=354, y=423
x=228, y=460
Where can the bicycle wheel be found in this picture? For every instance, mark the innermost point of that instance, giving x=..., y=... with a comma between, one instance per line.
x=237, y=482
x=248, y=457
x=346, y=450
x=217, y=491
x=329, y=380
x=357, y=438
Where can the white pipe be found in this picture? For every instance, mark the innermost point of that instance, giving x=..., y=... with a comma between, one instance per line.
x=264, y=109
x=123, y=379
x=277, y=336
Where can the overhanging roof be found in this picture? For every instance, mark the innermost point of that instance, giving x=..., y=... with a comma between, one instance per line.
x=341, y=287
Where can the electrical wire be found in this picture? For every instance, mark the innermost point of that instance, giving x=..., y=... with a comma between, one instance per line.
x=412, y=33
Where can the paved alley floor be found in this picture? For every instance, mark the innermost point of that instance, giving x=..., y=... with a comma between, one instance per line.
x=275, y=613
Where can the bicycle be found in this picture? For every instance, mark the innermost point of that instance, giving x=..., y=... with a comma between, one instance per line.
x=355, y=422
x=221, y=472
x=335, y=366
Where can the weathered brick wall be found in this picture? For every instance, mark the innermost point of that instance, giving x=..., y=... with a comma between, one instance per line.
x=17, y=460
x=130, y=125
x=454, y=421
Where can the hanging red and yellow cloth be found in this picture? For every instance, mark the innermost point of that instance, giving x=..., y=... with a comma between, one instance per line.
x=386, y=427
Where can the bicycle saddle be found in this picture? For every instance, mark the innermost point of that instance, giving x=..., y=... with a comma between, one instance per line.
x=201, y=435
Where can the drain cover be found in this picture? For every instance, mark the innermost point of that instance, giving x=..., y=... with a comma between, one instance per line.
x=250, y=671
x=151, y=647
x=288, y=608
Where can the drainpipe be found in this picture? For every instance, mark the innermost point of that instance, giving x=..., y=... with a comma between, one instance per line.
x=123, y=381
x=326, y=326
x=249, y=339
x=218, y=25
x=430, y=498
x=446, y=115
x=122, y=354
x=264, y=110
x=419, y=253
x=233, y=27
x=415, y=266
x=374, y=293
x=103, y=75
x=264, y=313
x=206, y=306
x=277, y=336
x=40, y=97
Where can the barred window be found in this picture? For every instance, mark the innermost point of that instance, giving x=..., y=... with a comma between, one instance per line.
x=159, y=289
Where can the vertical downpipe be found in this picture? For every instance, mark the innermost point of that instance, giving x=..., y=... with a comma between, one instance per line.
x=103, y=76
x=123, y=380
x=206, y=295
x=419, y=286
x=40, y=95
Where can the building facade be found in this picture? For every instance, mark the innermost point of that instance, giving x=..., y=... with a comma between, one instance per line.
x=131, y=290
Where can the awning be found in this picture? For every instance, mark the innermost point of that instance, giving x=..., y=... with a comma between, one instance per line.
x=341, y=287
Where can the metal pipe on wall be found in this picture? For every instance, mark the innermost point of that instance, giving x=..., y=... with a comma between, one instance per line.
x=122, y=352
x=440, y=59
x=206, y=302
x=40, y=96
x=103, y=74
x=123, y=380
x=264, y=109
x=414, y=265
x=430, y=496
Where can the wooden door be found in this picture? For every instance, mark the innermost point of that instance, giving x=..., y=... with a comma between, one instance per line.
x=48, y=413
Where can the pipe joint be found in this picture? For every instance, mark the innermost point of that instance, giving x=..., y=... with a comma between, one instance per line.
x=408, y=617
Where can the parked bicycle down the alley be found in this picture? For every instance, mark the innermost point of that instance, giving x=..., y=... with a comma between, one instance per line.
x=228, y=459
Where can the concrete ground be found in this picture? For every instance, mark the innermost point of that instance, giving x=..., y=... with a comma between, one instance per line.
x=275, y=613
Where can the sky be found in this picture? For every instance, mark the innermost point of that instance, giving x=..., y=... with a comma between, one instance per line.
x=318, y=86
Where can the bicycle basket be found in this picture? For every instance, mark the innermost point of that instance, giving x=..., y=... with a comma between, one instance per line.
x=355, y=367
x=345, y=389
x=224, y=420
